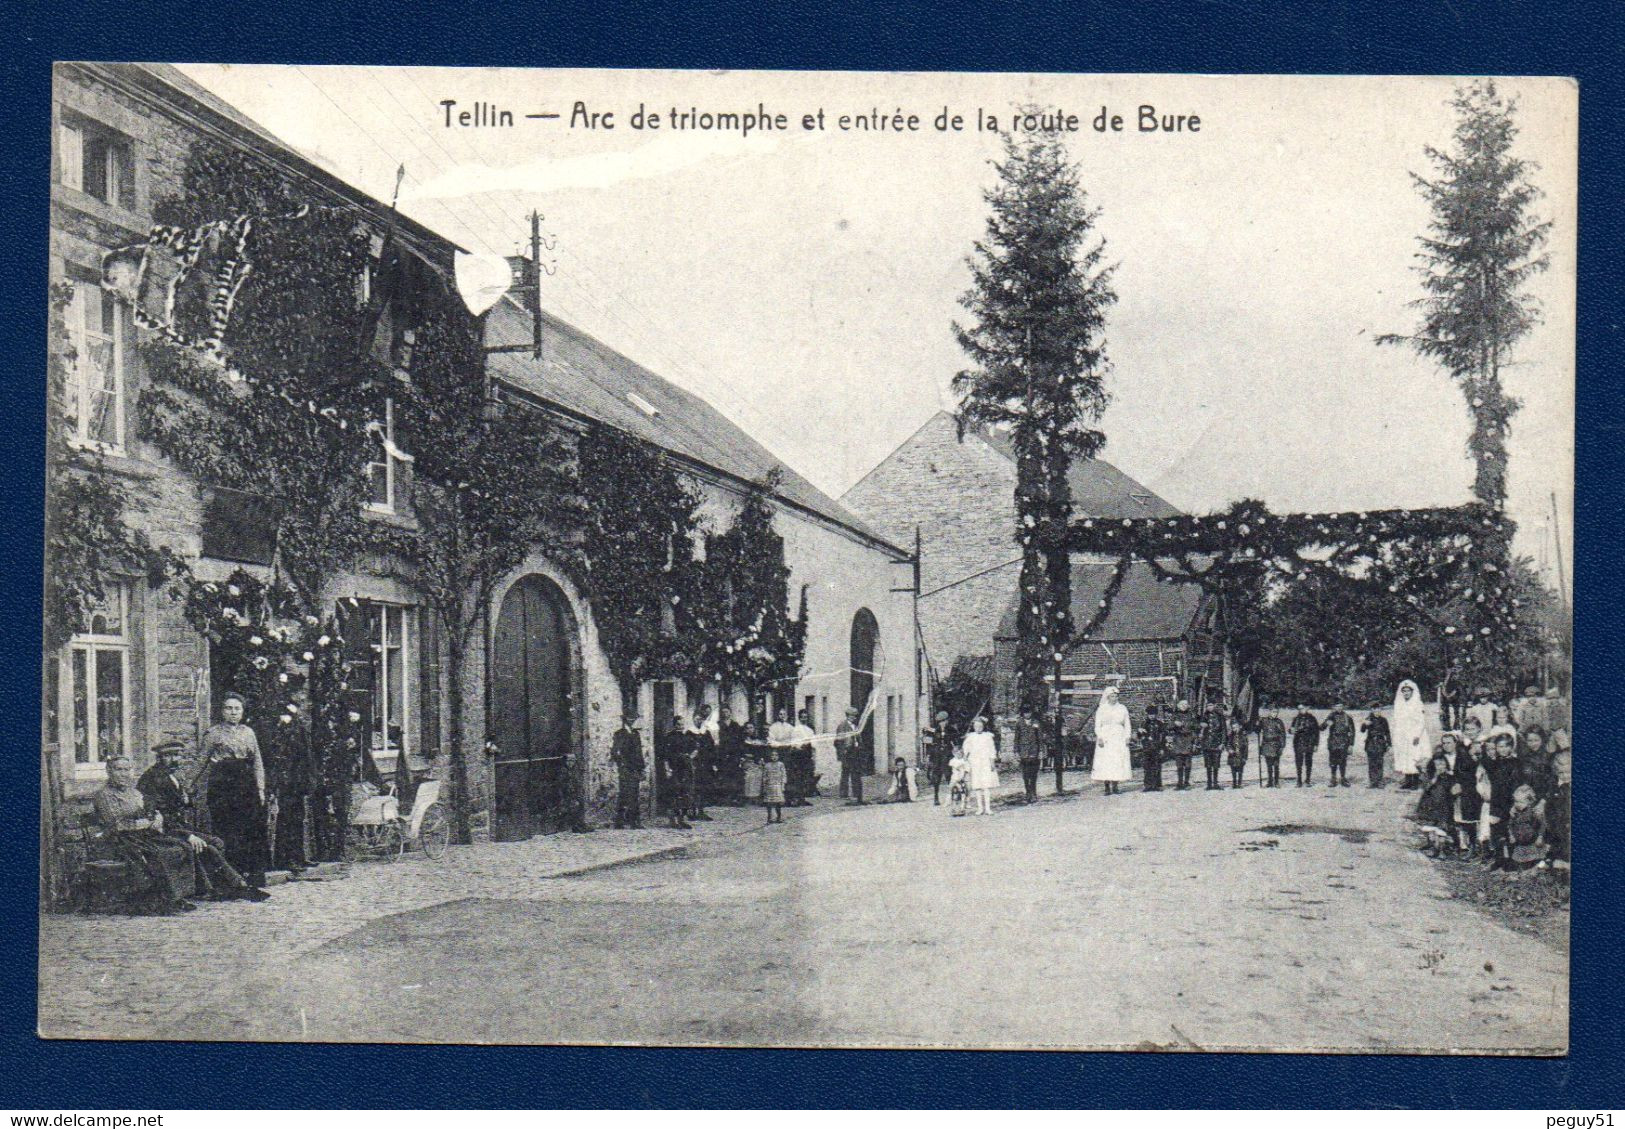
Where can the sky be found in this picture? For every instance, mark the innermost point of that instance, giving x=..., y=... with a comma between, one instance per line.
x=806, y=281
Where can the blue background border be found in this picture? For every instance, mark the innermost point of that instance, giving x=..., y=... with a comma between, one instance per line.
x=1422, y=36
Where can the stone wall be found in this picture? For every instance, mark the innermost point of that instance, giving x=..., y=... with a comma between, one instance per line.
x=960, y=495
x=1144, y=670
x=169, y=661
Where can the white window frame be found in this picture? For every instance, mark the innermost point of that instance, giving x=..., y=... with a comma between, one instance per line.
x=406, y=616
x=97, y=647
x=73, y=136
x=392, y=457
x=80, y=393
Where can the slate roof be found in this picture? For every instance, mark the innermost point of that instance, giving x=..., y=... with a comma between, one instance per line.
x=1098, y=488
x=1143, y=608
x=577, y=372
x=587, y=378
x=165, y=79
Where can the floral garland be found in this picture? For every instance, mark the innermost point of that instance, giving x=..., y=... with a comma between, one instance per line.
x=264, y=648
x=1466, y=571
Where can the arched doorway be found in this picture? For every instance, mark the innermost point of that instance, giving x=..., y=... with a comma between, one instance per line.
x=532, y=720
x=865, y=635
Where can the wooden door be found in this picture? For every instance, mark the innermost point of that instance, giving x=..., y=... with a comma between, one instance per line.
x=531, y=718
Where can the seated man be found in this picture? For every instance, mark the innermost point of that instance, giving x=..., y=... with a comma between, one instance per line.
x=165, y=790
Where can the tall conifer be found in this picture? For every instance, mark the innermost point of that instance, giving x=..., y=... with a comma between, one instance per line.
x=1038, y=299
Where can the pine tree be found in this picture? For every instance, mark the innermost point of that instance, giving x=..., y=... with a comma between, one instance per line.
x=1480, y=251
x=1482, y=248
x=1039, y=295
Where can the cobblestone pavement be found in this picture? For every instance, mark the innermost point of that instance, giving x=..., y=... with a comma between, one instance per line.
x=1291, y=919
x=139, y=968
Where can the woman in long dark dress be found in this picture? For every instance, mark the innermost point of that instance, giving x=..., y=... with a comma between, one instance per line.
x=237, y=791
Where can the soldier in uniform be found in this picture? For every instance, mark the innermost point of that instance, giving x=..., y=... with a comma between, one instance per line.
x=1305, y=739
x=677, y=757
x=1378, y=741
x=626, y=752
x=1271, y=741
x=1339, y=727
x=1030, y=755
x=1211, y=735
x=1154, y=745
x=1182, y=742
x=1236, y=739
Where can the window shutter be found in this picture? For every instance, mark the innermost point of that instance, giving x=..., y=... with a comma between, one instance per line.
x=71, y=154
x=429, y=682
x=355, y=631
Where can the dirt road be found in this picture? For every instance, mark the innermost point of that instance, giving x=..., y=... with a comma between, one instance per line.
x=1290, y=919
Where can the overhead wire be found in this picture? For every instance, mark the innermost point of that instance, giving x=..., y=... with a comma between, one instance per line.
x=393, y=156
x=657, y=336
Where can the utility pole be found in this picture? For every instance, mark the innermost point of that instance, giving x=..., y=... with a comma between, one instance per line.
x=527, y=279
x=1566, y=634
x=1060, y=730
x=536, y=278
x=1557, y=548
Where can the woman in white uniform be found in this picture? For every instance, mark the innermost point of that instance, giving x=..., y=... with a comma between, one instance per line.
x=982, y=756
x=1113, y=727
x=1412, y=750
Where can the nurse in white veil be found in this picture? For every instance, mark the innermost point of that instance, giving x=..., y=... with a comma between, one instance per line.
x=1113, y=728
x=1410, y=730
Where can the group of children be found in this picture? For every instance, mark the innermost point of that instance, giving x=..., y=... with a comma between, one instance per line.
x=1499, y=797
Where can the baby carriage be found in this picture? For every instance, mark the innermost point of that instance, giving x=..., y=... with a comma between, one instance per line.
x=379, y=830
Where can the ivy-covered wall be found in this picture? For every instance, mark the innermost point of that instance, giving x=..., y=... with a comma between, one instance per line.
x=166, y=652
x=170, y=658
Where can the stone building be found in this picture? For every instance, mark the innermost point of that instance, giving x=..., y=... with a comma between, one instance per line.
x=1159, y=641
x=138, y=673
x=957, y=492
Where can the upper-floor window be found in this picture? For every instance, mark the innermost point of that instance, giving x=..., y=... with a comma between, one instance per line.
x=96, y=386
x=384, y=473
x=97, y=161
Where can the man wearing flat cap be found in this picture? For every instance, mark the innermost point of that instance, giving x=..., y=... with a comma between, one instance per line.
x=165, y=790
x=164, y=786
